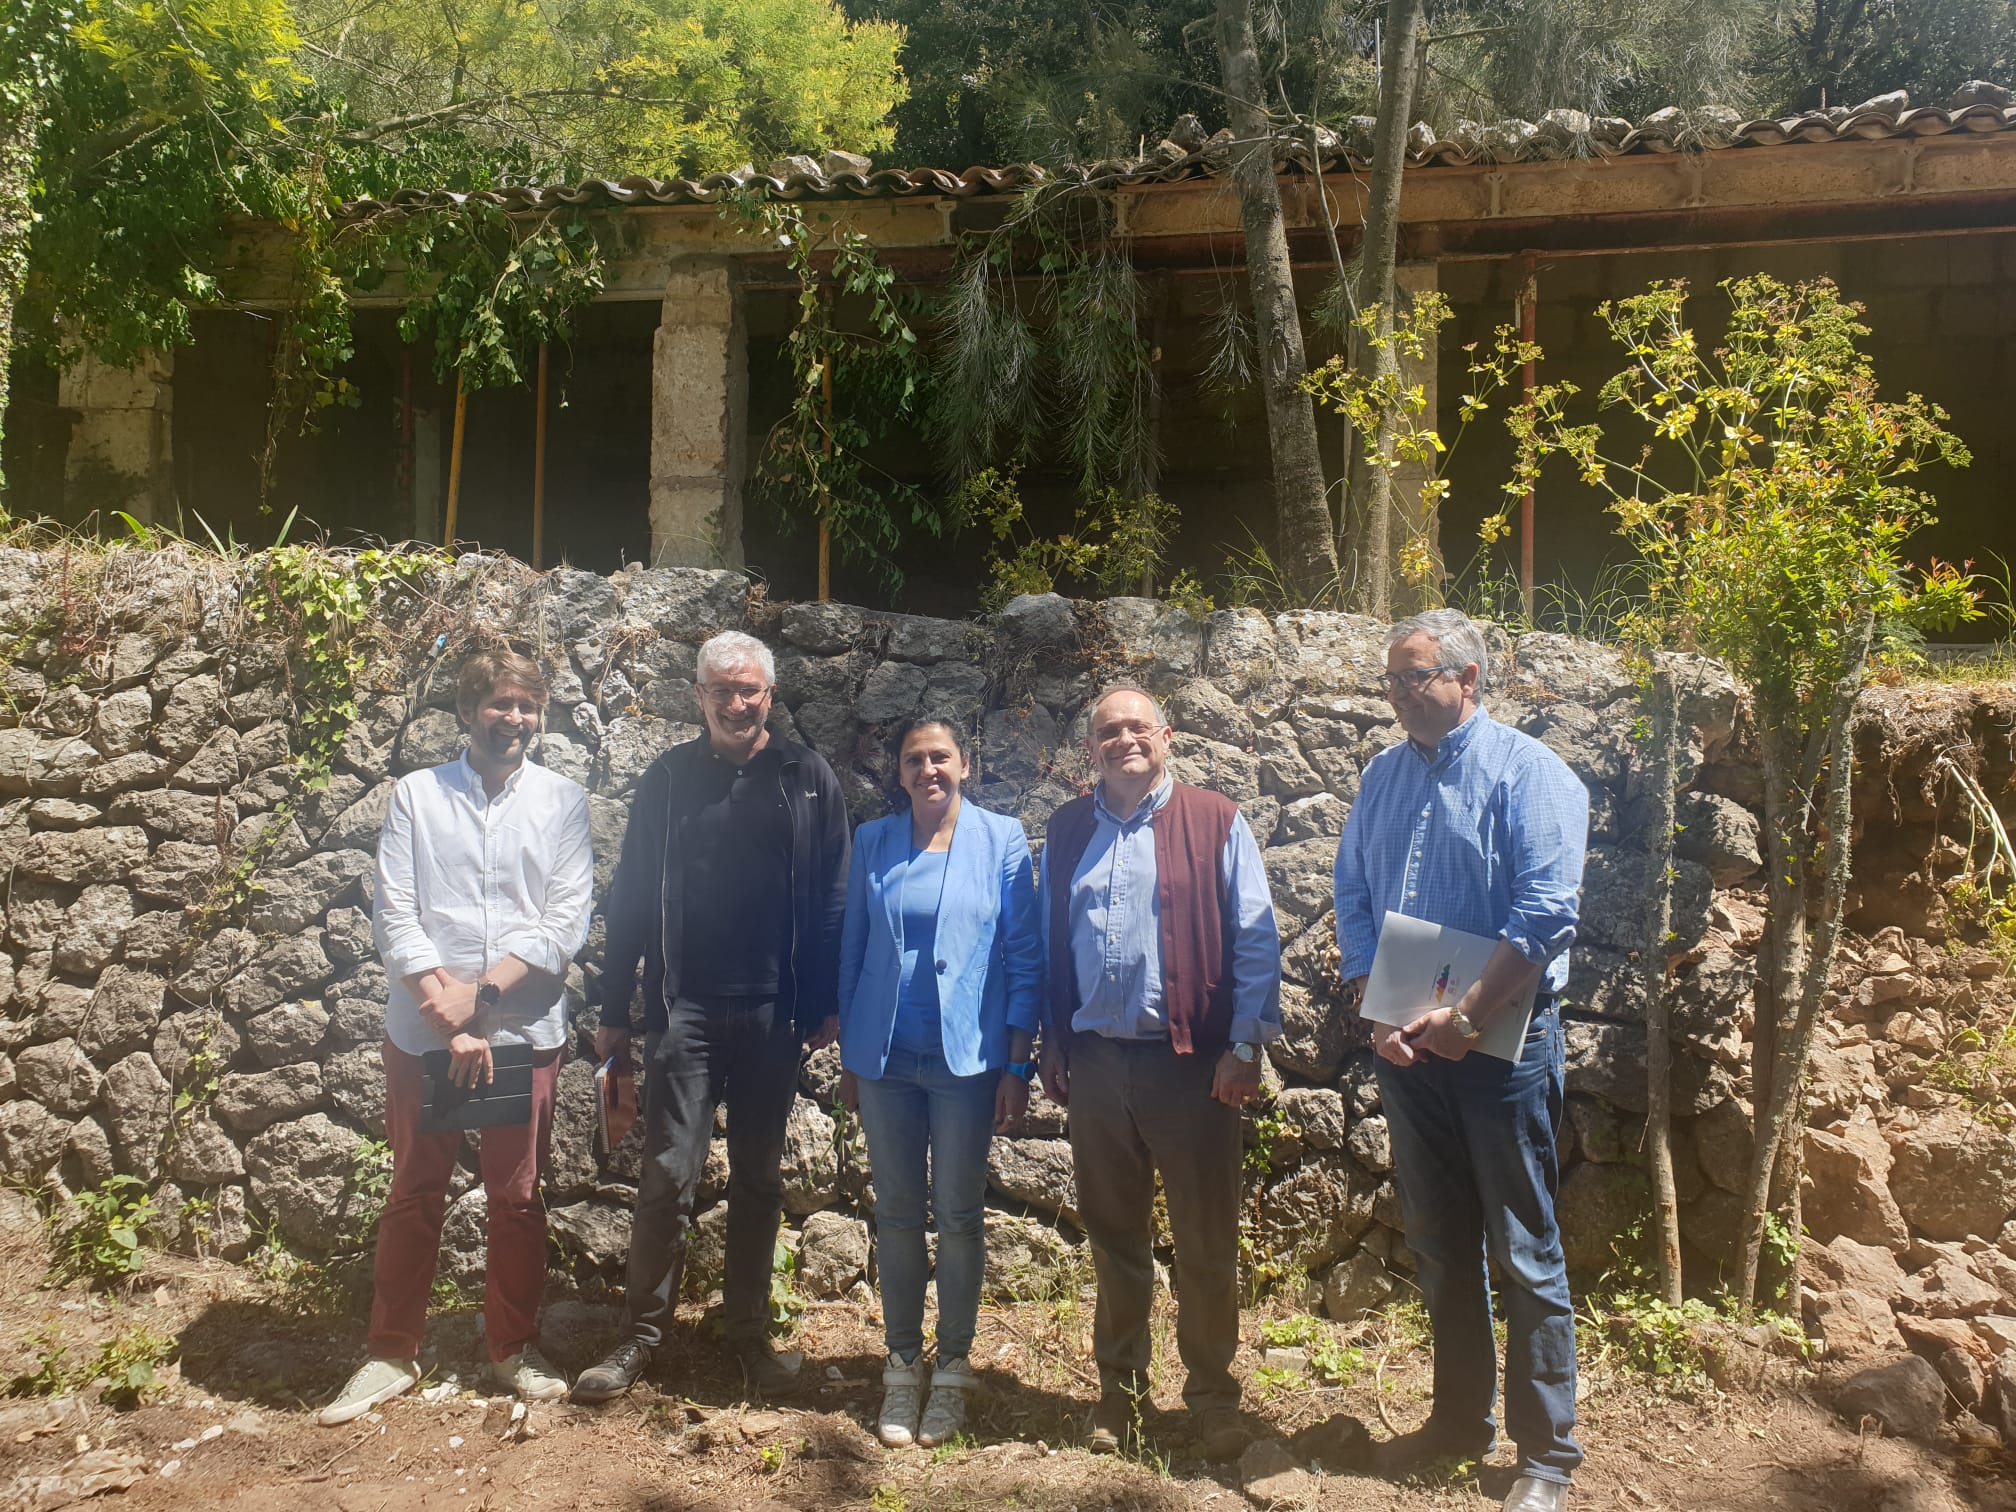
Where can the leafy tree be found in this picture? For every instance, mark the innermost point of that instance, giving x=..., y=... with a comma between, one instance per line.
x=1770, y=493
x=609, y=86
x=134, y=132
x=1841, y=52
x=30, y=33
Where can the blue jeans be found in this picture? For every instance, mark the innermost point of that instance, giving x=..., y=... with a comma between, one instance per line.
x=1474, y=1156
x=916, y=1107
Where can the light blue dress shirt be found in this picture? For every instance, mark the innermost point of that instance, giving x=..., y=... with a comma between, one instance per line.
x=922, y=885
x=1116, y=928
x=1486, y=837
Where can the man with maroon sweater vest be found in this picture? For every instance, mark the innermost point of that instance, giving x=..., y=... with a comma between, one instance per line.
x=1165, y=984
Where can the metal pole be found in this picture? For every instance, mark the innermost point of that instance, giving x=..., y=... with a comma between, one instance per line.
x=539, y=469
x=825, y=499
x=455, y=463
x=1529, y=299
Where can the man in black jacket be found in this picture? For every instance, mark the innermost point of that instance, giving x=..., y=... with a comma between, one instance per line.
x=730, y=892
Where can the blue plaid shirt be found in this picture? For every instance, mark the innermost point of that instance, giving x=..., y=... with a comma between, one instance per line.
x=1487, y=837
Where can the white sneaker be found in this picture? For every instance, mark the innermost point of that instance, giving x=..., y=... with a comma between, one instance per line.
x=902, y=1392
x=377, y=1381
x=945, y=1413
x=530, y=1375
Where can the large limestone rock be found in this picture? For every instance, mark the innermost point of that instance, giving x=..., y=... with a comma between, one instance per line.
x=138, y=1102
x=1906, y=1399
x=1955, y=1176
x=124, y=1012
x=305, y=1175
x=832, y=1254
x=248, y=1101
x=59, y=1076
x=1845, y=1191
x=1036, y=1171
x=811, y=1167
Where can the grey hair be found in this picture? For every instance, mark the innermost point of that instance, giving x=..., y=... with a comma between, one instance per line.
x=1456, y=635
x=1113, y=689
x=731, y=648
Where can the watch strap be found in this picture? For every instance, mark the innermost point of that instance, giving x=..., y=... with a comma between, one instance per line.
x=1025, y=1070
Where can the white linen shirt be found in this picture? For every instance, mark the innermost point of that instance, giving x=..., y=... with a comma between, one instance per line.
x=465, y=880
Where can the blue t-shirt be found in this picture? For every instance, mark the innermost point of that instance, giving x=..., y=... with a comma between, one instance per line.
x=917, y=1026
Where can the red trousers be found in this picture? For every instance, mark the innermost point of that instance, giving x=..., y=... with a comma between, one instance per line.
x=409, y=1231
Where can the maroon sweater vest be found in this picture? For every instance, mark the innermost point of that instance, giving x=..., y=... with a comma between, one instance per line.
x=1190, y=832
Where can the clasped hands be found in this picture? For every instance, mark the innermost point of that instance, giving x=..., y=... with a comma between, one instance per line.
x=448, y=1004
x=1430, y=1034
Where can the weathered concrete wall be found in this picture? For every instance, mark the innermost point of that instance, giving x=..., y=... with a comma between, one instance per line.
x=150, y=749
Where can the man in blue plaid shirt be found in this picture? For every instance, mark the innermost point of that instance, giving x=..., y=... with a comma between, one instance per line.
x=1471, y=824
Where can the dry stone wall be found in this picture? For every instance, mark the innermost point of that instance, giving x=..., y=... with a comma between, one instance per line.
x=237, y=1068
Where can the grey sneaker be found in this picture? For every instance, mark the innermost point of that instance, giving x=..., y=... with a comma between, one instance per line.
x=902, y=1396
x=377, y=1381
x=530, y=1375
x=945, y=1413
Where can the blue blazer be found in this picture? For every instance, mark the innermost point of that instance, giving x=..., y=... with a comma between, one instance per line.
x=989, y=952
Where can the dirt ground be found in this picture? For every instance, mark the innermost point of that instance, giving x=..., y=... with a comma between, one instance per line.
x=230, y=1429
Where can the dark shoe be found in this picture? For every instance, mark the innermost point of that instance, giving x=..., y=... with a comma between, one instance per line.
x=1219, y=1434
x=1531, y=1494
x=616, y=1374
x=1116, y=1423
x=1413, y=1452
x=767, y=1373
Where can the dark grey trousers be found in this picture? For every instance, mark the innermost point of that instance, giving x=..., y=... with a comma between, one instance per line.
x=1137, y=1107
x=744, y=1052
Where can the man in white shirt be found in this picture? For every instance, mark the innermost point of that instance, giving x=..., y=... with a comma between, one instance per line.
x=485, y=877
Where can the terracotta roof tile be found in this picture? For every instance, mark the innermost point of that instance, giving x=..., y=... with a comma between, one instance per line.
x=1560, y=134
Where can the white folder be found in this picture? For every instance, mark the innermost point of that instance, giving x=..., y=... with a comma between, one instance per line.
x=1421, y=966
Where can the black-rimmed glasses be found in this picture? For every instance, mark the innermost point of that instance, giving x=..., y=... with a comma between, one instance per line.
x=1416, y=678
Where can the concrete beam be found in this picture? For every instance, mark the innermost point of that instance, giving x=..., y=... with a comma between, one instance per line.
x=699, y=399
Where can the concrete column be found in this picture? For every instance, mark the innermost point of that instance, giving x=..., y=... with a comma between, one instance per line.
x=699, y=417
x=122, y=445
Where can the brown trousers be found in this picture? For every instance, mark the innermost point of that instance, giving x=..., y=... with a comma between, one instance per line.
x=1137, y=1108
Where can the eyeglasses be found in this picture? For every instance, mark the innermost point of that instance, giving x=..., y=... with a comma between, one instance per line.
x=1416, y=678
x=723, y=696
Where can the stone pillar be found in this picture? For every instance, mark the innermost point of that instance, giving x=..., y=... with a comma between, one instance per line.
x=699, y=417
x=1413, y=279
x=122, y=445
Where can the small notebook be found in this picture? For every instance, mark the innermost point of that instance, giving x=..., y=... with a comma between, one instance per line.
x=1421, y=966
x=506, y=1101
x=615, y=1103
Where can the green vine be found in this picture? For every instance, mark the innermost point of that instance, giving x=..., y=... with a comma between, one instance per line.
x=855, y=382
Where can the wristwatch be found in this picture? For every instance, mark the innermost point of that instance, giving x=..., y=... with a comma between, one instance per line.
x=1460, y=1022
x=1245, y=1053
x=488, y=994
x=1026, y=1070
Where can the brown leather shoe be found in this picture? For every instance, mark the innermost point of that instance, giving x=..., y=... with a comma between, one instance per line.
x=1219, y=1434
x=1116, y=1423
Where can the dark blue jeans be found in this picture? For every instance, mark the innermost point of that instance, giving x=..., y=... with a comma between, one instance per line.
x=1474, y=1155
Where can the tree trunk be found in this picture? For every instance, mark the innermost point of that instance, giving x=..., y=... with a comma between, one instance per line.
x=1659, y=984
x=17, y=176
x=1370, y=502
x=1302, y=509
x=1777, y=1119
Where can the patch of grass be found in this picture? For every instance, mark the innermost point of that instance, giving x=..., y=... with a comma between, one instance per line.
x=887, y=1498
x=128, y=1363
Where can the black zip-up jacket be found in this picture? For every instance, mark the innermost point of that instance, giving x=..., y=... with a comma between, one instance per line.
x=646, y=904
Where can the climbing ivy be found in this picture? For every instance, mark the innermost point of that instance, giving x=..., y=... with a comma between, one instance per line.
x=856, y=380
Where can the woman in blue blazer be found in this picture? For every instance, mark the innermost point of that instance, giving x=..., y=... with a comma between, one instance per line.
x=941, y=971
